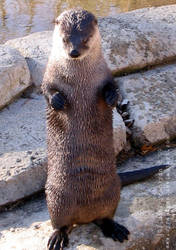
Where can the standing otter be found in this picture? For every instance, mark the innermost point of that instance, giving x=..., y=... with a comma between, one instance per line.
x=82, y=184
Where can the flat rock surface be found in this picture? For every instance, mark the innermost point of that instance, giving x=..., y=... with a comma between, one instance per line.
x=36, y=49
x=22, y=174
x=22, y=148
x=14, y=74
x=23, y=158
x=130, y=41
x=139, y=38
x=152, y=97
x=22, y=125
x=148, y=209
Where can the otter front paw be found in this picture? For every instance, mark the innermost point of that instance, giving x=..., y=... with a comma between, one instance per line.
x=110, y=95
x=58, y=101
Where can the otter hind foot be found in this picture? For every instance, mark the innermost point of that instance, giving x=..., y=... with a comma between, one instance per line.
x=58, y=239
x=58, y=101
x=113, y=230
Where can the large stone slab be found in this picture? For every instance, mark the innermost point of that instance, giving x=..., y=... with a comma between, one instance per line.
x=22, y=174
x=22, y=149
x=152, y=97
x=139, y=38
x=148, y=209
x=130, y=41
x=35, y=48
x=23, y=158
x=22, y=125
x=14, y=74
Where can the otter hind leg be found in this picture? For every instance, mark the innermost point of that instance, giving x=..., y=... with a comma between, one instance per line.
x=112, y=229
x=58, y=239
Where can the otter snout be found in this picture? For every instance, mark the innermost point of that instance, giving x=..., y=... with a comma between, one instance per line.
x=74, y=53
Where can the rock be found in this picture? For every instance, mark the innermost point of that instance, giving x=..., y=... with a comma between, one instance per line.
x=139, y=38
x=152, y=97
x=148, y=209
x=22, y=174
x=35, y=48
x=23, y=158
x=22, y=149
x=14, y=74
x=130, y=41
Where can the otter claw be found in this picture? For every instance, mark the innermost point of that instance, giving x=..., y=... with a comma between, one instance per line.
x=53, y=241
x=57, y=241
x=58, y=101
x=110, y=94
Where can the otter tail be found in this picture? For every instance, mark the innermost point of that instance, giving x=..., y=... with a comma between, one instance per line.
x=139, y=175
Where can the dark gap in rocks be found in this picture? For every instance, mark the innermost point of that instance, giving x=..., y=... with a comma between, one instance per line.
x=19, y=203
x=134, y=70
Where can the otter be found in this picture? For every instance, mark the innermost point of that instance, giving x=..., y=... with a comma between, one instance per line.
x=82, y=184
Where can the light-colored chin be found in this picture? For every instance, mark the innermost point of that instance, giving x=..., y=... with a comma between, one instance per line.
x=59, y=54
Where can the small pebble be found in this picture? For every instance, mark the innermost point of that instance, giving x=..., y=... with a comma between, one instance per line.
x=37, y=226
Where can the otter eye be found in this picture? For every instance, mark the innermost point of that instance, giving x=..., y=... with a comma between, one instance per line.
x=65, y=40
x=85, y=40
x=56, y=21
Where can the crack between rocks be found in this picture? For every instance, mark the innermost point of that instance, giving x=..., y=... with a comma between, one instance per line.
x=133, y=70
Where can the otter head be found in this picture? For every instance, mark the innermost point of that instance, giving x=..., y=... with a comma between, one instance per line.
x=75, y=34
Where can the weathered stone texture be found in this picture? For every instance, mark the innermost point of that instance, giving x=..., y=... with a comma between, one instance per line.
x=35, y=48
x=22, y=125
x=22, y=149
x=22, y=174
x=139, y=38
x=14, y=74
x=130, y=41
x=152, y=97
x=148, y=209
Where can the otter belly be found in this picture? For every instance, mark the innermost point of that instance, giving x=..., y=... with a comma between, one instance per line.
x=82, y=196
x=82, y=184
x=98, y=200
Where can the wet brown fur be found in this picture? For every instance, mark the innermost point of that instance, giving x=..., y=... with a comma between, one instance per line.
x=82, y=183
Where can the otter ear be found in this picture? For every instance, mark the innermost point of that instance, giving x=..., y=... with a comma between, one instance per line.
x=56, y=21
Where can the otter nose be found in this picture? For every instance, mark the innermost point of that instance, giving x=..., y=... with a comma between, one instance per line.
x=74, y=53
